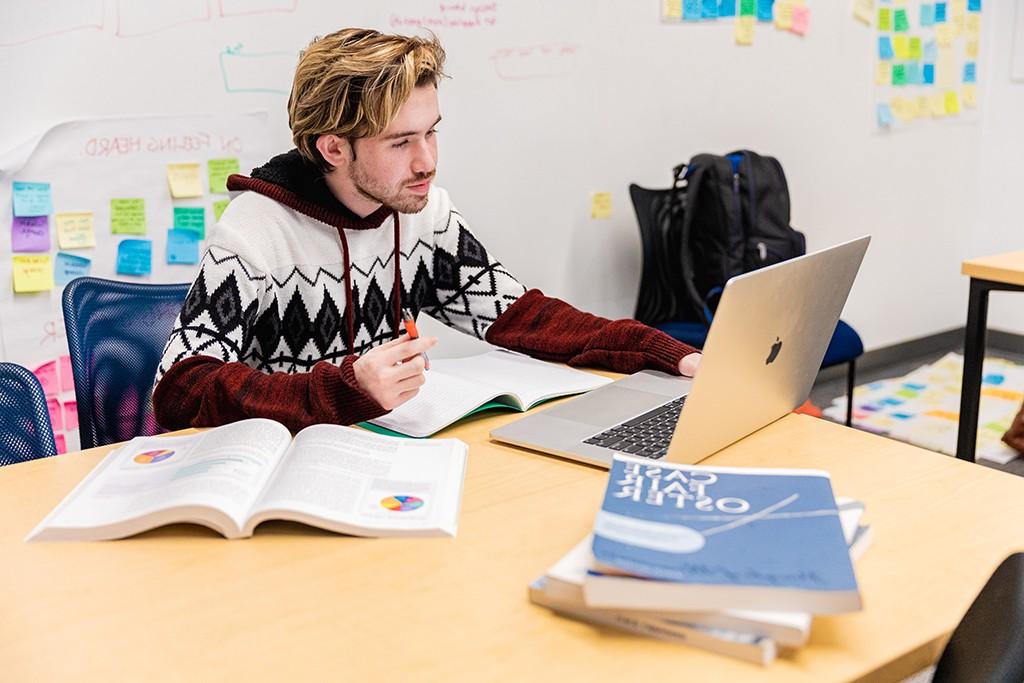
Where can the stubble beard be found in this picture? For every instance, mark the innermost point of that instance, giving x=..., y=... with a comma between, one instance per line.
x=399, y=199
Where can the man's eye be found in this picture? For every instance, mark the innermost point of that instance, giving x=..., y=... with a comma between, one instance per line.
x=432, y=132
x=403, y=143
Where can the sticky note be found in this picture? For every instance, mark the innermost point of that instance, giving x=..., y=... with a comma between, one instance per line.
x=885, y=47
x=864, y=10
x=70, y=415
x=747, y=8
x=969, y=94
x=601, y=205
x=927, y=14
x=970, y=72
x=900, y=23
x=182, y=247
x=135, y=257
x=914, y=48
x=801, y=20
x=944, y=35
x=902, y=109
x=928, y=74
x=46, y=373
x=31, y=199
x=691, y=12
x=32, y=273
x=66, y=267
x=973, y=5
x=899, y=74
x=184, y=180
x=727, y=8
x=219, y=170
x=883, y=73
x=67, y=377
x=30, y=233
x=884, y=19
x=931, y=51
x=709, y=9
x=952, y=102
x=946, y=73
x=784, y=15
x=901, y=46
x=672, y=10
x=921, y=103
x=56, y=416
x=973, y=24
x=940, y=12
x=971, y=49
x=75, y=230
x=128, y=216
x=764, y=10
x=191, y=218
x=884, y=115
x=744, y=30
x=61, y=442
x=914, y=76
x=218, y=208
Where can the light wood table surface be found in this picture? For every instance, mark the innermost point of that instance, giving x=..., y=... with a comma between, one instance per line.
x=1007, y=268
x=292, y=603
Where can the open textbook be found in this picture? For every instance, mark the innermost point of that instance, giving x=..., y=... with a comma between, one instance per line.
x=233, y=477
x=457, y=387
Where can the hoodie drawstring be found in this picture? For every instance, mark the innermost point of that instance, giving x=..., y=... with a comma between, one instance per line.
x=396, y=293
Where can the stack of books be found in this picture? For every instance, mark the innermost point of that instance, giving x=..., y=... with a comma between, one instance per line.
x=732, y=560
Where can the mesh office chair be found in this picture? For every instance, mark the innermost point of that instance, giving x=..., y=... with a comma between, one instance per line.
x=664, y=303
x=116, y=333
x=25, y=430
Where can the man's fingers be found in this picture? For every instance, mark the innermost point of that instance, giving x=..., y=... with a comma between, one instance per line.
x=409, y=368
x=403, y=347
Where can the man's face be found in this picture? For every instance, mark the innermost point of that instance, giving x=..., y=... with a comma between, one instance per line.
x=395, y=168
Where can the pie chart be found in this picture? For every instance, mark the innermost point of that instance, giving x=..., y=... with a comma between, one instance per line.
x=150, y=457
x=401, y=503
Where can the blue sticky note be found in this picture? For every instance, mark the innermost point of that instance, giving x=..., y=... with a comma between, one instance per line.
x=727, y=8
x=31, y=199
x=993, y=379
x=884, y=119
x=67, y=267
x=691, y=10
x=927, y=14
x=928, y=74
x=764, y=10
x=885, y=47
x=182, y=246
x=914, y=73
x=940, y=12
x=931, y=51
x=973, y=5
x=970, y=72
x=902, y=416
x=135, y=257
x=709, y=9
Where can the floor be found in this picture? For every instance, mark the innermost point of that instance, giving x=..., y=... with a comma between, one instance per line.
x=824, y=391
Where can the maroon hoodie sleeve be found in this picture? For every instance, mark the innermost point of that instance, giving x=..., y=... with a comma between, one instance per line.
x=201, y=391
x=551, y=329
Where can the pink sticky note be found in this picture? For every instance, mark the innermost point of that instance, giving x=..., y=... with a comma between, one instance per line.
x=30, y=233
x=67, y=380
x=47, y=374
x=801, y=20
x=70, y=415
x=56, y=417
x=62, y=445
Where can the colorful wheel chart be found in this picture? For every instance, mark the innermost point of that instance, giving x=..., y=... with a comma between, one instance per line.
x=150, y=457
x=401, y=503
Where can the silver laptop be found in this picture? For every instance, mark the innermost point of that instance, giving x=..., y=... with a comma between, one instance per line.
x=762, y=353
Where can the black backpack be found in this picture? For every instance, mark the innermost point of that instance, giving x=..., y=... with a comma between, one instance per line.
x=724, y=215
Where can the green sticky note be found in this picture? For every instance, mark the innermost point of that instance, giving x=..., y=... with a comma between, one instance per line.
x=915, y=48
x=746, y=8
x=218, y=171
x=884, y=19
x=900, y=21
x=906, y=393
x=218, y=208
x=128, y=216
x=899, y=74
x=191, y=218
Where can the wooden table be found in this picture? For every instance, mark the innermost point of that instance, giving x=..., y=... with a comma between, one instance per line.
x=294, y=603
x=1000, y=272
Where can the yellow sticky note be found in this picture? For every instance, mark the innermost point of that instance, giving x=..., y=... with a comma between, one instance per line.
x=901, y=108
x=946, y=69
x=184, y=180
x=864, y=10
x=672, y=10
x=973, y=24
x=952, y=102
x=883, y=73
x=745, y=30
x=944, y=35
x=972, y=48
x=784, y=15
x=32, y=273
x=970, y=95
x=74, y=230
x=901, y=46
x=936, y=105
x=921, y=106
x=601, y=205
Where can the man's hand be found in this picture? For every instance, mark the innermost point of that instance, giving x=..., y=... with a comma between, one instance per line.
x=688, y=365
x=392, y=373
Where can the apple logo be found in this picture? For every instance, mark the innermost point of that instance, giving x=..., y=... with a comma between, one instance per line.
x=774, y=353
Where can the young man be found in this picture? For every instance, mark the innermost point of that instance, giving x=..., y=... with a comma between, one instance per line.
x=295, y=313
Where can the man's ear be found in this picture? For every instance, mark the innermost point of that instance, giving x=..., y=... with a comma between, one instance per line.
x=335, y=150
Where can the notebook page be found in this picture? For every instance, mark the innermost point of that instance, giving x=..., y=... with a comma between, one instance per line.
x=443, y=399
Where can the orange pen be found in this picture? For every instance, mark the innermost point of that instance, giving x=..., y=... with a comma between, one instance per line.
x=409, y=323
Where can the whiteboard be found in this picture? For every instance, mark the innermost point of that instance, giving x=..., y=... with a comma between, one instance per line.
x=1017, y=63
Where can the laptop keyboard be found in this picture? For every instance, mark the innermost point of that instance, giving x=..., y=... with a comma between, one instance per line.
x=646, y=435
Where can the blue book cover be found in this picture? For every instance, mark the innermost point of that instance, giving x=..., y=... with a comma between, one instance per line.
x=762, y=531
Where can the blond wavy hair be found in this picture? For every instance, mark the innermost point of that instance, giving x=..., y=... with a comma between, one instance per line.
x=352, y=83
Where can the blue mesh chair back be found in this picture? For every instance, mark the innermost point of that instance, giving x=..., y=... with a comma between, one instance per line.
x=116, y=333
x=25, y=430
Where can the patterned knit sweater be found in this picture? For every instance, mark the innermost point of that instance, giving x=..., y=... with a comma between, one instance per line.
x=293, y=287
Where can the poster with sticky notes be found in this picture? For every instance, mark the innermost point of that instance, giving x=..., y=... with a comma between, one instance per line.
x=182, y=247
x=30, y=233
x=218, y=171
x=128, y=216
x=925, y=61
x=67, y=267
x=184, y=180
x=75, y=230
x=135, y=257
x=32, y=273
x=789, y=16
x=31, y=199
